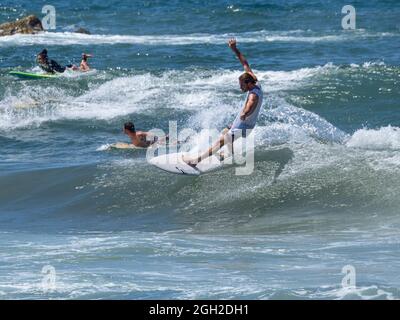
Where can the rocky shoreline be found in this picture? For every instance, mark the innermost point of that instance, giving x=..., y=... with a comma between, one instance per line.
x=27, y=25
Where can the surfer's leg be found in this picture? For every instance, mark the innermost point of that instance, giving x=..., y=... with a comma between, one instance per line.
x=211, y=151
x=223, y=139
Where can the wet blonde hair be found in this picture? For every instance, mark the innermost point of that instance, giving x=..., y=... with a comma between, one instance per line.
x=247, y=78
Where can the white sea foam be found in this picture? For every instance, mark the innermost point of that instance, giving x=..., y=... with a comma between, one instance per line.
x=104, y=147
x=119, y=269
x=385, y=138
x=212, y=98
x=69, y=38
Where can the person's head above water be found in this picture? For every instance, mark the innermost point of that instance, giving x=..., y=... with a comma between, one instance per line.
x=246, y=82
x=129, y=127
x=42, y=56
x=43, y=53
x=85, y=56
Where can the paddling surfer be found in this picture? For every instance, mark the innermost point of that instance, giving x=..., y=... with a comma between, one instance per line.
x=246, y=119
x=48, y=65
x=142, y=139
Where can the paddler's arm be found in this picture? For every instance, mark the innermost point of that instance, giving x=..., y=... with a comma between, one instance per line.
x=242, y=59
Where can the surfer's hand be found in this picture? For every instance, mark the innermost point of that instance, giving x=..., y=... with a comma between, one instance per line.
x=232, y=44
x=242, y=116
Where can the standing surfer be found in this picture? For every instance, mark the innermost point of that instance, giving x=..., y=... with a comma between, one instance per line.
x=246, y=119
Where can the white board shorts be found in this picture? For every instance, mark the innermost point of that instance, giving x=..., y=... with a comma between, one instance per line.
x=242, y=130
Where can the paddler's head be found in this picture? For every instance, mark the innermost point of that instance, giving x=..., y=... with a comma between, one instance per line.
x=246, y=82
x=85, y=56
x=42, y=54
x=129, y=127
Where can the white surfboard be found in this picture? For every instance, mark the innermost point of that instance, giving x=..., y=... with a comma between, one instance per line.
x=173, y=163
x=123, y=145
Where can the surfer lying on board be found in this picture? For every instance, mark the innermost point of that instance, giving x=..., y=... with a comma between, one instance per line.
x=142, y=139
x=246, y=119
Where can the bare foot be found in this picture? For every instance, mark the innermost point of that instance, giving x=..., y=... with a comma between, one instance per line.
x=189, y=161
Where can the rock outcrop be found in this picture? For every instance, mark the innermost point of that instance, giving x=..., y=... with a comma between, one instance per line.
x=28, y=25
x=82, y=30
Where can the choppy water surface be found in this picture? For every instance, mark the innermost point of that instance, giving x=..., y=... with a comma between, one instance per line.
x=323, y=195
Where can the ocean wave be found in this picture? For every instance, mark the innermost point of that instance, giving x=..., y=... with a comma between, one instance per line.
x=207, y=91
x=385, y=138
x=208, y=100
x=69, y=38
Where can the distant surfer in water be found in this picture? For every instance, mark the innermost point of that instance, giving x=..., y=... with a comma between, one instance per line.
x=51, y=66
x=48, y=65
x=142, y=139
x=246, y=119
x=84, y=66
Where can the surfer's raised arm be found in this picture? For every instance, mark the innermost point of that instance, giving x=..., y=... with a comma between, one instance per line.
x=243, y=61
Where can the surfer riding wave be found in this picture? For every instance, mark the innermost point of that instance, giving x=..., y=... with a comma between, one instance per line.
x=246, y=120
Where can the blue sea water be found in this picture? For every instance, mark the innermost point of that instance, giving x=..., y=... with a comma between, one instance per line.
x=323, y=194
